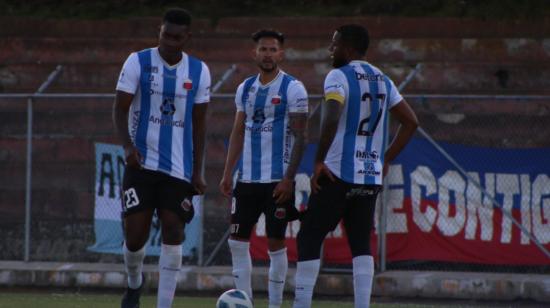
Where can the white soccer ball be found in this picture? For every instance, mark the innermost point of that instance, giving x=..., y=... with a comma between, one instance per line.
x=234, y=298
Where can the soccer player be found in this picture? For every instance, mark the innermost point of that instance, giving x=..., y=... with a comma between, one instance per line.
x=269, y=130
x=350, y=161
x=159, y=115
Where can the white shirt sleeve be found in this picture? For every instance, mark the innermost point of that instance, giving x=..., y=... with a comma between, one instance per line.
x=334, y=86
x=395, y=96
x=238, y=97
x=128, y=80
x=203, y=92
x=297, y=98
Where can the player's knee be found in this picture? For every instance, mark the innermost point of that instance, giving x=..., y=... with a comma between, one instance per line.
x=134, y=244
x=172, y=235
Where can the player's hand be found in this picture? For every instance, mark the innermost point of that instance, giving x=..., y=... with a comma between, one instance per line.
x=319, y=170
x=283, y=191
x=226, y=185
x=199, y=184
x=132, y=157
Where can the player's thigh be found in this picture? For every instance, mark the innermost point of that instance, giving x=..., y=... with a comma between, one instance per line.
x=175, y=206
x=245, y=209
x=358, y=219
x=138, y=193
x=277, y=215
x=325, y=208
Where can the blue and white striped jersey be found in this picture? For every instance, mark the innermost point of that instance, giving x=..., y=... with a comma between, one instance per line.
x=160, y=117
x=268, y=140
x=357, y=152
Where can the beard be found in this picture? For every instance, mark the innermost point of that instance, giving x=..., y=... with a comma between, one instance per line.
x=267, y=68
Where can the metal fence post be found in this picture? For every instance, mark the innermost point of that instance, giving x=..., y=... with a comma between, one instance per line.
x=28, y=167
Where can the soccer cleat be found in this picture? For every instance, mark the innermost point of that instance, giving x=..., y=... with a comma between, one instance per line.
x=131, y=296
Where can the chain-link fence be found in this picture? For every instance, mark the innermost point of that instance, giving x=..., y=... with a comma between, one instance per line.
x=437, y=217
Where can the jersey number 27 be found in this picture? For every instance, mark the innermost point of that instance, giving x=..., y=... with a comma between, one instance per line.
x=363, y=129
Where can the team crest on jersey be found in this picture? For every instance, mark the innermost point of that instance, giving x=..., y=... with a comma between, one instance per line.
x=188, y=84
x=276, y=100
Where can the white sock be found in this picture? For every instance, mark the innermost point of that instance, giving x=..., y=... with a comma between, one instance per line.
x=363, y=272
x=278, y=267
x=242, y=265
x=306, y=276
x=133, y=262
x=169, y=268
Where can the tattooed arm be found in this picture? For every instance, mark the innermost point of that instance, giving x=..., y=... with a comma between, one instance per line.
x=298, y=127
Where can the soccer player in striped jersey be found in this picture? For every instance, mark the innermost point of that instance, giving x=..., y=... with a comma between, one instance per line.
x=159, y=114
x=350, y=161
x=269, y=131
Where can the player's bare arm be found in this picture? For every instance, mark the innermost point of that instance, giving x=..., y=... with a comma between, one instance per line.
x=234, y=152
x=298, y=127
x=408, y=124
x=121, y=107
x=199, y=136
x=331, y=117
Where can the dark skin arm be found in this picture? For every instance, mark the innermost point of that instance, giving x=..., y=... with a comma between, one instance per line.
x=121, y=107
x=298, y=126
x=408, y=124
x=234, y=152
x=331, y=117
x=199, y=136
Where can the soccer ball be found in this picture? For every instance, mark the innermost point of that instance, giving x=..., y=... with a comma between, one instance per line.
x=234, y=298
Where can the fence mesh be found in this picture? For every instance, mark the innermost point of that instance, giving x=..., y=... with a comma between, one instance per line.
x=475, y=131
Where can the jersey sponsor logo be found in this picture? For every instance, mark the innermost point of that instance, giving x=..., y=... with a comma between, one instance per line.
x=276, y=100
x=370, y=170
x=363, y=155
x=151, y=69
x=166, y=121
x=259, y=129
x=168, y=107
x=188, y=84
x=259, y=116
x=362, y=76
x=176, y=95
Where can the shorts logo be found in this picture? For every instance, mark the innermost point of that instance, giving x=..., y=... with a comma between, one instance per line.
x=280, y=213
x=276, y=100
x=186, y=205
x=130, y=198
x=188, y=84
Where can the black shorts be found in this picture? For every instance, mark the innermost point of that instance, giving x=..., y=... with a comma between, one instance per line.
x=145, y=189
x=354, y=203
x=252, y=199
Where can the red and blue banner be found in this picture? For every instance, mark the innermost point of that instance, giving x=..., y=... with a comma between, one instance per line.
x=437, y=214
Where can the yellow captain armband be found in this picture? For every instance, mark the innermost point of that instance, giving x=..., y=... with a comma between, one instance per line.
x=334, y=96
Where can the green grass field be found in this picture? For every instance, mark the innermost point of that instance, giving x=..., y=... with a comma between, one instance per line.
x=90, y=300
